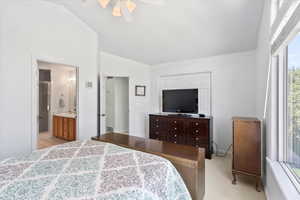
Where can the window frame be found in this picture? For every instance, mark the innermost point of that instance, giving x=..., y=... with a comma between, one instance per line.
x=279, y=3
x=282, y=84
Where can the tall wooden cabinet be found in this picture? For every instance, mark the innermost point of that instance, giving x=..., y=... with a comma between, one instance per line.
x=247, y=148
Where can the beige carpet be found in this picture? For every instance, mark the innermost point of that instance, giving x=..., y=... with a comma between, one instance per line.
x=218, y=182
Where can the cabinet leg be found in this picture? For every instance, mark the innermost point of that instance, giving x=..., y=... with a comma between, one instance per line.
x=258, y=185
x=234, y=178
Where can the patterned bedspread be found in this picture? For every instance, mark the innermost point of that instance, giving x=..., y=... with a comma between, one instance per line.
x=90, y=170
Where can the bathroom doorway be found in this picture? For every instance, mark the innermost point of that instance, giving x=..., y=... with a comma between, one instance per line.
x=57, y=104
x=117, y=104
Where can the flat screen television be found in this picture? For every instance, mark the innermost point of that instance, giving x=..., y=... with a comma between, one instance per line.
x=180, y=101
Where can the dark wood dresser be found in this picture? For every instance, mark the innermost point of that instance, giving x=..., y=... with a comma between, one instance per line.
x=193, y=131
x=247, y=148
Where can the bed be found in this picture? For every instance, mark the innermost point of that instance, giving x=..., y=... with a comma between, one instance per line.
x=90, y=170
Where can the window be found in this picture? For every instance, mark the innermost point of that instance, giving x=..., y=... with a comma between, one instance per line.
x=291, y=107
x=279, y=3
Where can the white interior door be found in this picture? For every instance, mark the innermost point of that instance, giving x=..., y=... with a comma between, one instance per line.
x=102, y=104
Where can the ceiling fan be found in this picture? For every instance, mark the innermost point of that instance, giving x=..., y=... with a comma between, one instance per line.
x=126, y=7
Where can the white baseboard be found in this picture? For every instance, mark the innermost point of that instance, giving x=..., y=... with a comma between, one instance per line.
x=267, y=193
x=120, y=131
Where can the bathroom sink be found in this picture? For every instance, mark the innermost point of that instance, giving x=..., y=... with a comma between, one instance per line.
x=66, y=114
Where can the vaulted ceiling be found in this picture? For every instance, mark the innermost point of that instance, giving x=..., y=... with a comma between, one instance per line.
x=179, y=30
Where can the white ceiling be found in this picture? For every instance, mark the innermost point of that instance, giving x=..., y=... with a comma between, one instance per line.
x=179, y=30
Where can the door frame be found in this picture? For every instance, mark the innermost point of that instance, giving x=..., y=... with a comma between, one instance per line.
x=35, y=97
x=103, y=78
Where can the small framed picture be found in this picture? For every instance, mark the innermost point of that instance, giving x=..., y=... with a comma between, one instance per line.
x=140, y=90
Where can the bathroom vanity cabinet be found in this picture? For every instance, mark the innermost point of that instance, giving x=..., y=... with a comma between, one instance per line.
x=64, y=127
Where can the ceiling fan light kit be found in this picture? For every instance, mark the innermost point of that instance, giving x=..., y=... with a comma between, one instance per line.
x=130, y=6
x=125, y=7
x=104, y=3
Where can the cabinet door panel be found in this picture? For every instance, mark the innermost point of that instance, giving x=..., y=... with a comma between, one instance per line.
x=65, y=128
x=60, y=127
x=55, y=126
x=72, y=130
x=247, y=147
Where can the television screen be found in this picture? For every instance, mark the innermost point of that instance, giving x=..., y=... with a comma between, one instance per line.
x=180, y=101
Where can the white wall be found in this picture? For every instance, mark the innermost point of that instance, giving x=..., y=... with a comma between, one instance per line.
x=139, y=74
x=262, y=59
x=233, y=88
x=51, y=33
x=200, y=81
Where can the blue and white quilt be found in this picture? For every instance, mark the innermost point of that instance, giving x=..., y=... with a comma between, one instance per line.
x=90, y=170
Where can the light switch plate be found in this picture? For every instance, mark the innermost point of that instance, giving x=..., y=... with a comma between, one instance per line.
x=89, y=84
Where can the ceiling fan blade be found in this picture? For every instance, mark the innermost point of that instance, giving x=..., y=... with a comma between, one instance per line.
x=104, y=3
x=125, y=12
x=117, y=9
x=154, y=2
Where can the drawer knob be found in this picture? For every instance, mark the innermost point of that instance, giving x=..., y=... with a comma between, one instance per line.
x=197, y=145
x=175, y=135
x=175, y=122
x=197, y=124
x=197, y=138
x=157, y=133
x=175, y=128
x=157, y=126
x=197, y=131
x=157, y=120
x=175, y=142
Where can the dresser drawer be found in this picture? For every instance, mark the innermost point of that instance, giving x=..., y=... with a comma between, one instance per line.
x=158, y=135
x=176, y=140
x=198, y=133
x=156, y=119
x=155, y=133
x=197, y=140
x=198, y=123
x=198, y=128
x=156, y=126
x=175, y=122
x=199, y=145
x=157, y=123
x=175, y=125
